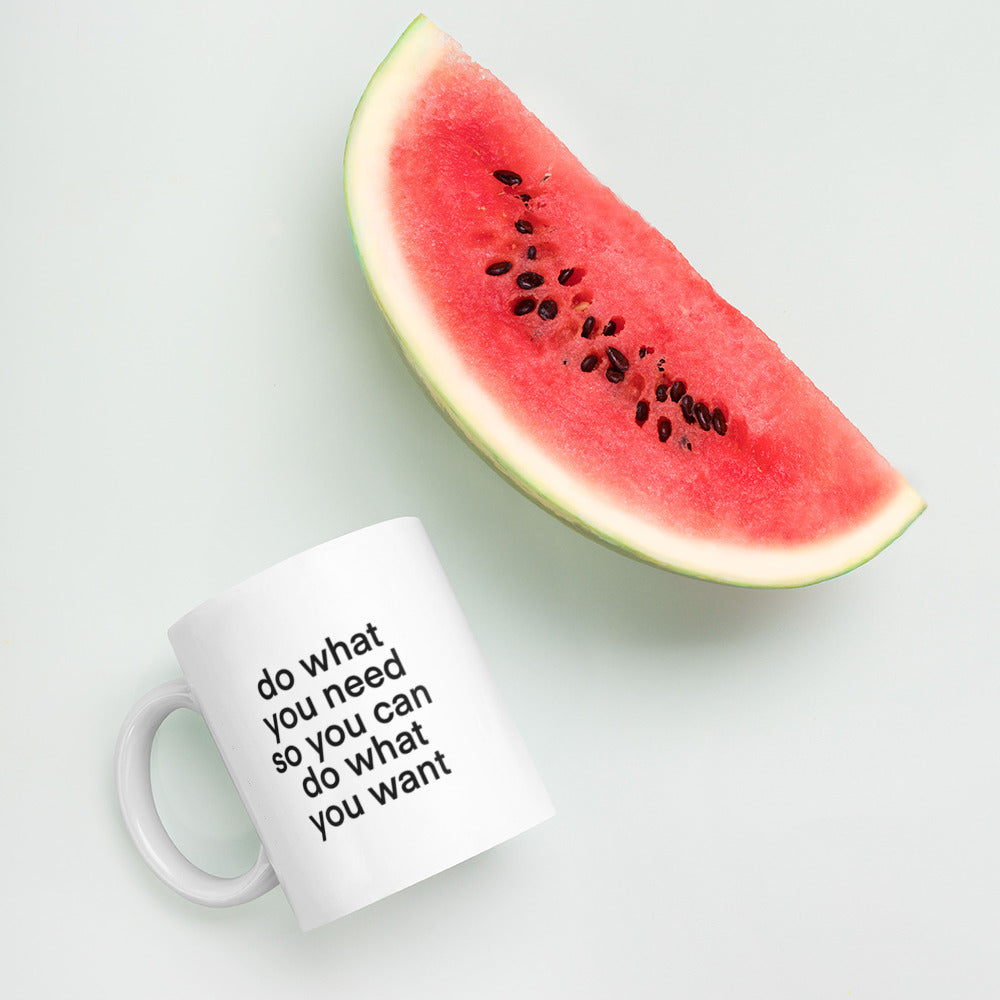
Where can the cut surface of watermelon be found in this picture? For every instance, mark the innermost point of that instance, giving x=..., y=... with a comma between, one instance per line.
x=598, y=371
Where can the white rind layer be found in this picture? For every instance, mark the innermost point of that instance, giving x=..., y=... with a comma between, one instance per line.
x=443, y=373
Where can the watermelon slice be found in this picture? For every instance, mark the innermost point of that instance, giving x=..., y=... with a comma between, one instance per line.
x=582, y=355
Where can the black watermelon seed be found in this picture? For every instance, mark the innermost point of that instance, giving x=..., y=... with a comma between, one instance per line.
x=529, y=279
x=685, y=443
x=677, y=389
x=547, y=308
x=589, y=363
x=523, y=226
x=642, y=352
x=525, y=198
x=524, y=306
x=531, y=253
x=704, y=416
x=615, y=375
x=565, y=274
x=609, y=330
x=617, y=359
x=507, y=177
x=641, y=412
x=719, y=421
x=687, y=408
x=500, y=267
x=663, y=428
x=661, y=393
x=588, y=327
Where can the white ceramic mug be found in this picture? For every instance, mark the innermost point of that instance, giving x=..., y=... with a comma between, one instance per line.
x=354, y=712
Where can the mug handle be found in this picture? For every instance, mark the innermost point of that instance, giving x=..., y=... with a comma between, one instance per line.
x=135, y=796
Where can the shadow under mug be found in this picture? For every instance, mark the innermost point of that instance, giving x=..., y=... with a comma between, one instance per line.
x=357, y=718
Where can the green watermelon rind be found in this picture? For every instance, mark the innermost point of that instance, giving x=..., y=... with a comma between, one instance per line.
x=440, y=372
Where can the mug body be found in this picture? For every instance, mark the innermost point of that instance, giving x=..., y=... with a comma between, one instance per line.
x=357, y=718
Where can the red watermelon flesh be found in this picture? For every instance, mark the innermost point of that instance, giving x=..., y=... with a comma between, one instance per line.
x=600, y=371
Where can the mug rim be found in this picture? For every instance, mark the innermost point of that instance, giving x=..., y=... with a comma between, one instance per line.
x=232, y=591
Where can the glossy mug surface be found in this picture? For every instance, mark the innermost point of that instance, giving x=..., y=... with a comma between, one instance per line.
x=357, y=718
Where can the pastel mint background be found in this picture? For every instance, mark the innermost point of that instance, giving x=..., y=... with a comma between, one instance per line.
x=760, y=795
